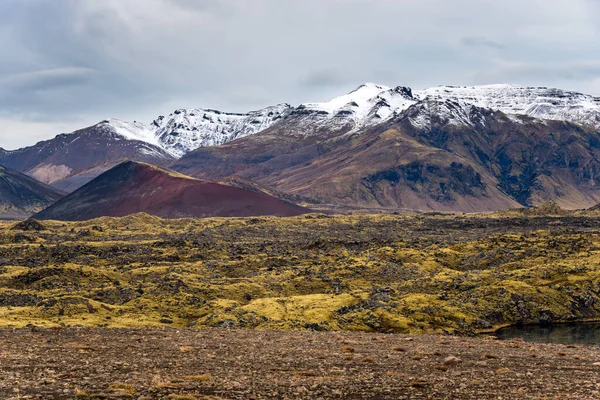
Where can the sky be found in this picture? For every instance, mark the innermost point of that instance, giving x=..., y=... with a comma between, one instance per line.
x=68, y=64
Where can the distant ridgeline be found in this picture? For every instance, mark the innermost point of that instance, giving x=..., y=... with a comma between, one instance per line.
x=445, y=149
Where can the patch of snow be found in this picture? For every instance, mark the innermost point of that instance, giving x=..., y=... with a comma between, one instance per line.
x=132, y=130
x=188, y=129
x=152, y=152
x=389, y=103
x=514, y=118
x=537, y=102
x=358, y=101
x=431, y=111
x=368, y=105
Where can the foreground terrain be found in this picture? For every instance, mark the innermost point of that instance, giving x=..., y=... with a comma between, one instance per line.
x=381, y=273
x=187, y=364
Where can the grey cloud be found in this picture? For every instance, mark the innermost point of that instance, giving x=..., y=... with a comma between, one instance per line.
x=136, y=59
x=534, y=73
x=479, y=41
x=201, y=5
x=47, y=79
x=325, y=78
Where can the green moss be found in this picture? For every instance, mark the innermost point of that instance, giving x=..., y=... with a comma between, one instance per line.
x=356, y=272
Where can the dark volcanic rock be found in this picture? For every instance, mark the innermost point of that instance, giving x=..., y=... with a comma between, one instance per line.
x=29, y=224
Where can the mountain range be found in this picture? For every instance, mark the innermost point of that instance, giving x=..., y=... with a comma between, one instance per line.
x=70, y=160
x=447, y=148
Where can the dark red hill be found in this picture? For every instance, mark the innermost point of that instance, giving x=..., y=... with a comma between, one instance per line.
x=133, y=187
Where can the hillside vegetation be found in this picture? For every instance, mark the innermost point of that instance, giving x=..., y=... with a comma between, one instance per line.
x=384, y=273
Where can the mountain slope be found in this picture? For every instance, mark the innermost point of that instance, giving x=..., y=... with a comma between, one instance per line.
x=70, y=160
x=385, y=167
x=133, y=187
x=298, y=136
x=437, y=155
x=21, y=195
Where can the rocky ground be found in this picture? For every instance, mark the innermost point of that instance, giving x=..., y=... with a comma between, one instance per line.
x=157, y=363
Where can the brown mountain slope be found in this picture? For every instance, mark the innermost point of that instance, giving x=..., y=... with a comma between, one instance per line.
x=253, y=186
x=437, y=155
x=68, y=161
x=133, y=187
x=391, y=170
x=21, y=195
x=292, y=141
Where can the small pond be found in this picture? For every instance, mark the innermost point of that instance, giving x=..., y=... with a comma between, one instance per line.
x=587, y=333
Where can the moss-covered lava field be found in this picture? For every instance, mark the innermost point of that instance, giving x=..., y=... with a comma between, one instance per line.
x=381, y=273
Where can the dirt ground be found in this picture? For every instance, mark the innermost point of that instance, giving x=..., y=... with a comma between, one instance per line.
x=97, y=363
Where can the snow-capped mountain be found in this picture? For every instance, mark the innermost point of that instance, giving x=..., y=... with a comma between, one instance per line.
x=389, y=103
x=439, y=154
x=538, y=102
x=288, y=146
x=131, y=130
x=68, y=161
x=358, y=102
x=370, y=104
x=430, y=112
x=187, y=129
x=367, y=105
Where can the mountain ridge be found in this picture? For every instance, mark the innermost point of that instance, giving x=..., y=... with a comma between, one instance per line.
x=184, y=130
x=265, y=146
x=437, y=155
x=69, y=160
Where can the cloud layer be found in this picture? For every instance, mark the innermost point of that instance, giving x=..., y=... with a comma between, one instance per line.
x=70, y=63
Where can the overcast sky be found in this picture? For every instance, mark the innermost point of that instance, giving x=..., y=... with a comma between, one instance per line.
x=67, y=64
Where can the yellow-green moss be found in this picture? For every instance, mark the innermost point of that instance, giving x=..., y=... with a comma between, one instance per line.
x=311, y=272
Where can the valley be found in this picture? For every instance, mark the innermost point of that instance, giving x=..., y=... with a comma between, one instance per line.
x=232, y=199
x=309, y=306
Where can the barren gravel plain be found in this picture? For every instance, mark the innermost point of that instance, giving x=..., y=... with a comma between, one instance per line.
x=167, y=363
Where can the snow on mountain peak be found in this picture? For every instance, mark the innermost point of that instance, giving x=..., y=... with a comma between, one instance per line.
x=389, y=103
x=131, y=130
x=357, y=101
x=188, y=129
x=369, y=104
x=431, y=112
x=538, y=102
x=369, y=86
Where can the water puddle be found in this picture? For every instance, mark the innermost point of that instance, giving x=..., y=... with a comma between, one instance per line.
x=587, y=333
